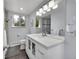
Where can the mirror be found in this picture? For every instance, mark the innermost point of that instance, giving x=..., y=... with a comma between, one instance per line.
x=18, y=21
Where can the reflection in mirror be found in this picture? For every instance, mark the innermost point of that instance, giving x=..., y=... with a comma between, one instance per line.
x=37, y=22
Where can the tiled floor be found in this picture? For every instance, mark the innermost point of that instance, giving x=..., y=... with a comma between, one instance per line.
x=22, y=55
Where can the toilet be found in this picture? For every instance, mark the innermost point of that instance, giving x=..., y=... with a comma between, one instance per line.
x=22, y=44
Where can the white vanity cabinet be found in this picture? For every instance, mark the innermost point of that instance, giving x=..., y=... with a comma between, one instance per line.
x=35, y=50
x=31, y=48
x=56, y=52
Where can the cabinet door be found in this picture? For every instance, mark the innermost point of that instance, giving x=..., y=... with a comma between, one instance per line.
x=33, y=48
x=29, y=44
x=40, y=55
x=26, y=44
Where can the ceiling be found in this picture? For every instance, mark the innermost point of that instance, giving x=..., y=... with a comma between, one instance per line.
x=27, y=5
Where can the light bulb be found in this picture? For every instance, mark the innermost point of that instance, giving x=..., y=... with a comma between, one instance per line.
x=56, y=6
x=41, y=10
x=51, y=3
x=48, y=10
x=45, y=7
x=44, y=12
x=21, y=8
x=38, y=13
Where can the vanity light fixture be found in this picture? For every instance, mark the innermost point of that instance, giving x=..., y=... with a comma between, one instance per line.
x=47, y=7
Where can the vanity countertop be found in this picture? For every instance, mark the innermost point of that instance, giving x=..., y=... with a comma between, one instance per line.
x=47, y=41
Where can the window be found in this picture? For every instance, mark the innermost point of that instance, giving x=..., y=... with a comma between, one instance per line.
x=18, y=20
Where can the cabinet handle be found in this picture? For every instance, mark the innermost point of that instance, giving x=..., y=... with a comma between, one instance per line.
x=41, y=52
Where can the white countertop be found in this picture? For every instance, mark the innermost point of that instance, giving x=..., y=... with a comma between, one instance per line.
x=47, y=41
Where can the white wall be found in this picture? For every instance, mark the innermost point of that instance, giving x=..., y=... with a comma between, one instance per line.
x=70, y=41
x=14, y=31
x=58, y=18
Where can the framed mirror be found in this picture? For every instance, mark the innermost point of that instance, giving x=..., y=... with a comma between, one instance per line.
x=18, y=21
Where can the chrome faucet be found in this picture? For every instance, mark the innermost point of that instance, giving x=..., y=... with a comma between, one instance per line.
x=44, y=34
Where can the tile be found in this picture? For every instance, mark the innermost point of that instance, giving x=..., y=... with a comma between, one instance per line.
x=21, y=55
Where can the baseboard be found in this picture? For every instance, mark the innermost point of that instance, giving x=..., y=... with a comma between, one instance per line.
x=13, y=45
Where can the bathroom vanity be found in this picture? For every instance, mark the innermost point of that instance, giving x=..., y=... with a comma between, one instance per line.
x=44, y=47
